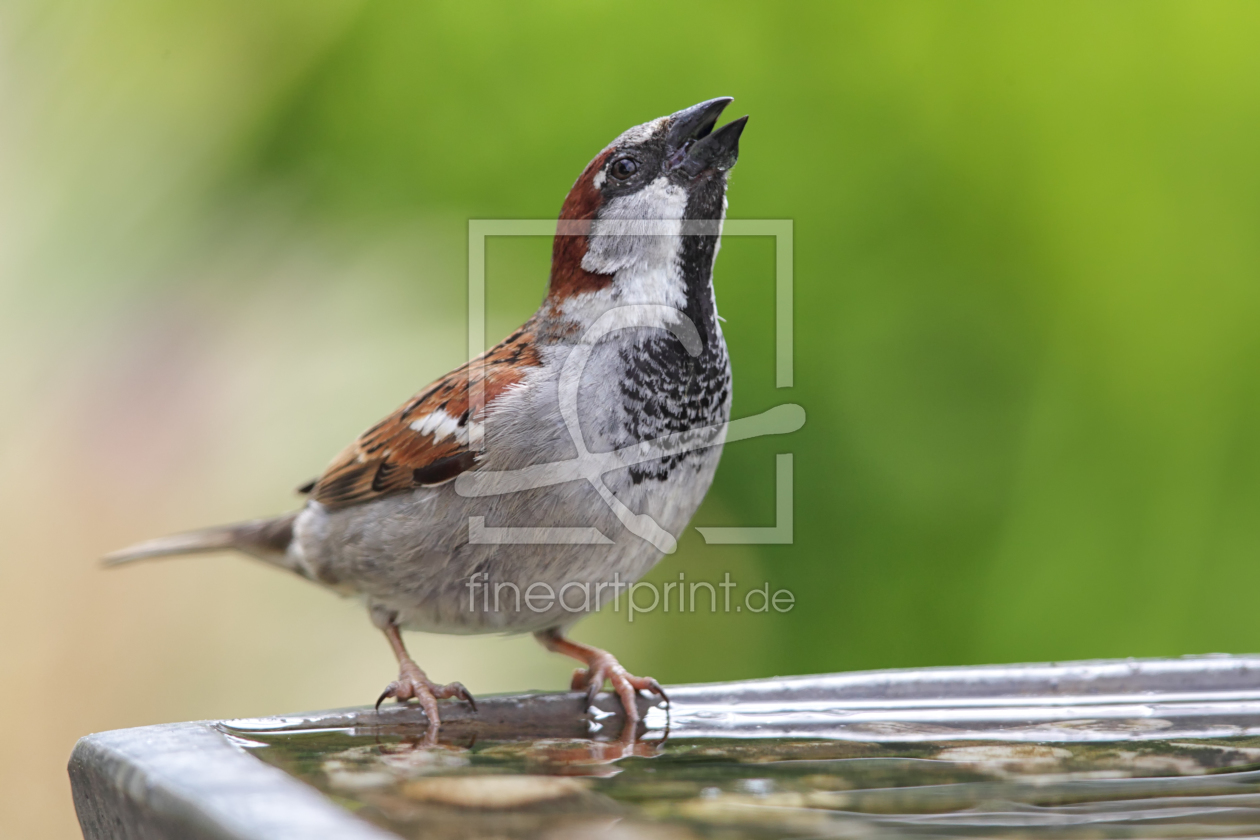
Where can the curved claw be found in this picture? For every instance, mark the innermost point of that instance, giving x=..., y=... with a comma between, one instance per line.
x=584, y=680
x=592, y=680
x=458, y=690
x=655, y=687
x=592, y=691
x=419, y=687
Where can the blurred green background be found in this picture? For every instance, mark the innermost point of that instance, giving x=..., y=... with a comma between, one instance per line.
x=233, y=234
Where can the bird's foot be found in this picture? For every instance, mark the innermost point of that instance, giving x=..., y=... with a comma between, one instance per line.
x=603, y=666
x=412, y=683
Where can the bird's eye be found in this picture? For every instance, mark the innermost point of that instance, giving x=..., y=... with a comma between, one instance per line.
x=623, y=168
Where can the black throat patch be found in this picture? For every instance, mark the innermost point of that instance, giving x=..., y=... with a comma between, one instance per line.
x=666, y=389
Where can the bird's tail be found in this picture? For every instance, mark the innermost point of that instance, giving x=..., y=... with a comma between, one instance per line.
x=266, y=539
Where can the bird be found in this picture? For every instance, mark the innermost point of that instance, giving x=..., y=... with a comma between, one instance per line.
x=563, y=462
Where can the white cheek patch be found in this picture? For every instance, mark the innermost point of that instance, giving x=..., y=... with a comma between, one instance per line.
x=638, y=240
x=639, y=231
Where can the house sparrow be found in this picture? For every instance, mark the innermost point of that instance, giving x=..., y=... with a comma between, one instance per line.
x=527, y=488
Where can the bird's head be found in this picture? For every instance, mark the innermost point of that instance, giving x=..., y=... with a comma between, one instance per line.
x=624, y=216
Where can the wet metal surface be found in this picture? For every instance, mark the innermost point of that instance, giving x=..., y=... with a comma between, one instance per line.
x=718, y=787
x=1113, y=749
x=1137, y=748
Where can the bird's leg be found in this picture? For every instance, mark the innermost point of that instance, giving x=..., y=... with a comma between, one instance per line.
x=412, y=682
x=600, y=666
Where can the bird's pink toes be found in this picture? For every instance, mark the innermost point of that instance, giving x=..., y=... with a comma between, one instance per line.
x=606, y=668
x=413, y=684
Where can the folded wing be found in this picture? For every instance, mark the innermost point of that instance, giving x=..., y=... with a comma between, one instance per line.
x=433, y=437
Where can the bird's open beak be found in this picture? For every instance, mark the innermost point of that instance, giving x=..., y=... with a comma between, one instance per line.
x=697, y=147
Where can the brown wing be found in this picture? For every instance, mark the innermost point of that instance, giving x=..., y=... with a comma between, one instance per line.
x=426, y=441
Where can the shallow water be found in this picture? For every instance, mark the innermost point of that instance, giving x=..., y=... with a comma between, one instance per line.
x=762, y=788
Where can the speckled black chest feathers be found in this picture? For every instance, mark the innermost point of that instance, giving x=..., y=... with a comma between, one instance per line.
x=666, y=389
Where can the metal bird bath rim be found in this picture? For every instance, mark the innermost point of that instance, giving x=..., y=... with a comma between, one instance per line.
x=199, y=779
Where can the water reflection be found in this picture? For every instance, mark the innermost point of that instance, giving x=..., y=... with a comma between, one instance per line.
x=755, y=788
